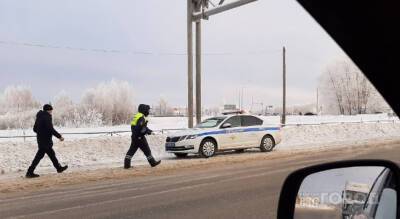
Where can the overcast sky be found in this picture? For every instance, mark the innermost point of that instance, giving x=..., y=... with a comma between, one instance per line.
x=250, y=38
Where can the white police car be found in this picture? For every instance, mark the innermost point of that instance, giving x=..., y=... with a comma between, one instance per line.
x=228, y=132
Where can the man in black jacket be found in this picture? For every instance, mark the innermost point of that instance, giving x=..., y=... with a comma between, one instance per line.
x=139, y=130
x=45, y=131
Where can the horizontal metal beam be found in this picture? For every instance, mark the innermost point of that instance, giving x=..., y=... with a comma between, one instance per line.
x=208, y=12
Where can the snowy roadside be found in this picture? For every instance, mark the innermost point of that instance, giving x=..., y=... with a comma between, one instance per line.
x=168, y=123
x=103, y=151
x=11, y=183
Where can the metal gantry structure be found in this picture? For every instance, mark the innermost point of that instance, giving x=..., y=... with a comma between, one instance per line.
x=198, y=10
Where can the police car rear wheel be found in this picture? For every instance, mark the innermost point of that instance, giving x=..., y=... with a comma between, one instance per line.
x=181, y=155
x=207, y=148
x=267, y=143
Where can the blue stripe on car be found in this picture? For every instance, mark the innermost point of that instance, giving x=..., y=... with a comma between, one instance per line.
x=239, y=130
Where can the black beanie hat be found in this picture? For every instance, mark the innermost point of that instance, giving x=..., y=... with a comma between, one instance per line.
x=47, y=107
x=145, y=109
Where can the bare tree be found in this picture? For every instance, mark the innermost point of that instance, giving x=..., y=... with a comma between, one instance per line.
x=345, y=89
x=162, y=108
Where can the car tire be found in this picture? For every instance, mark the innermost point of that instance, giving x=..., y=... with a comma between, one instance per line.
x=208, y=148
x=267, y=143
x=181, y=155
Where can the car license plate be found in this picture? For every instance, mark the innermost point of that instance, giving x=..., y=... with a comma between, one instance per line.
x=170, y=144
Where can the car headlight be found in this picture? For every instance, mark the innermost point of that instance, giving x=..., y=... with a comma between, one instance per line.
x=191, y=136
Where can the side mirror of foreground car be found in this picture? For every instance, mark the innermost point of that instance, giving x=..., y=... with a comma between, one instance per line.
x=226, y=125
x=358, y=189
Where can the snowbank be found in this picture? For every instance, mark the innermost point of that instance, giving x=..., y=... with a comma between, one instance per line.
x=332, y=135
x=88, y=152
x=301, y=120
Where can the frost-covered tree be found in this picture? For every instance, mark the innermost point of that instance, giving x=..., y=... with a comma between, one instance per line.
x=212, y=111
x=345, y=90
x=17, y=108
x=162, y=108
x=113, y=100
x=18, y=98
x=64, y=109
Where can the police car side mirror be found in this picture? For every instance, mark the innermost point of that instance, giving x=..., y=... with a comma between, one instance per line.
x=226, y=125
x=341, y=189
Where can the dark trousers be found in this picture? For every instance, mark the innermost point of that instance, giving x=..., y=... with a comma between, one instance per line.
x=136, y=143
x=39, y=156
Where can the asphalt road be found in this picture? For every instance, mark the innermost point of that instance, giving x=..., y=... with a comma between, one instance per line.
x=241, y=190
x=317, y=214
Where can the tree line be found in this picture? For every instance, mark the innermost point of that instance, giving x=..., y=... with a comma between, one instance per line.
x=108, y=103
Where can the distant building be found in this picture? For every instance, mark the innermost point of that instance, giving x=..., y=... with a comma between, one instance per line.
x=230, y=107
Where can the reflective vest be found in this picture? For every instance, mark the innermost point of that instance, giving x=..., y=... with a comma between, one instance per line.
x=136, y=118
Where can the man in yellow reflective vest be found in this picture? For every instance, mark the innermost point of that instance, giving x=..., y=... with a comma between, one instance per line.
x=139, y=130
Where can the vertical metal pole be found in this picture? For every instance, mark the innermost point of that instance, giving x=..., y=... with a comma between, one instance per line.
x=238, y=107
x=317, y=103
x=241, y=102
x=198, y=71
x=190, y=62
x=283, y=122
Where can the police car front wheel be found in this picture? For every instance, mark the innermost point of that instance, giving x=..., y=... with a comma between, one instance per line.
x=267, y=143
x=207, y=148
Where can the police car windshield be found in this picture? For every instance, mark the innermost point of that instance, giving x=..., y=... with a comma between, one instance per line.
x=211, y=122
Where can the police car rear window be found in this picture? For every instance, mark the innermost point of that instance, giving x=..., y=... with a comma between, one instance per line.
x=251, y=121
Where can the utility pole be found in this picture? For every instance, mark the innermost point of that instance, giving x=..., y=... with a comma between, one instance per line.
x=198, y=67
x=317, y=103
x=283, y=121
x=196, y=11
x=241, y=102
x=251, y=106
x=190, y=62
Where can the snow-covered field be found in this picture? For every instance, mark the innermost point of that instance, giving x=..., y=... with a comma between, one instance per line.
x=93, y=151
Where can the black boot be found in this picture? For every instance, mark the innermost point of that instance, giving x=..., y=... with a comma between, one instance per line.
x=31, y=175
x=127, y=163
x=62, y=169
x=153, y=161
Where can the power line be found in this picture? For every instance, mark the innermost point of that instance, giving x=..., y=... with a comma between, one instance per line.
x=132, y=52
